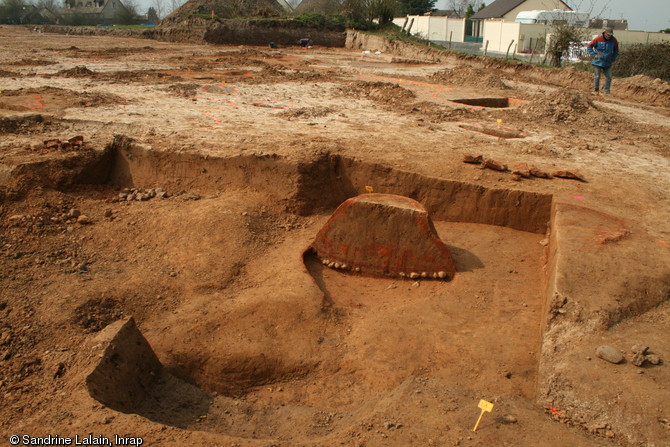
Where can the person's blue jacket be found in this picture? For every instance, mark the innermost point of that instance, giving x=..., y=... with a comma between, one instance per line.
x=604, y=51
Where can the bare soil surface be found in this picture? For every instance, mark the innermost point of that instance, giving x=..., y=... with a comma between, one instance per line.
x=181, y=184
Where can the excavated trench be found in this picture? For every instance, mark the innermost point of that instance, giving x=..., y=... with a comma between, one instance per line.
x=181, y=392
x=498, y=103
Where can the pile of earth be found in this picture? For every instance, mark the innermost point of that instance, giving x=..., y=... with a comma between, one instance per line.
x=246, y=56
x=381, y=92
x=306, y=112
x=468, y=76
x=186, y=90
x=31, y=62
x=80, y=71
x=224, y=9
x=568, y=106
x=437, y=113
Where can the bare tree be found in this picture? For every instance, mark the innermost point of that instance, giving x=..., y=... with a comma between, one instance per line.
x=159, y=7
x=590, y=7
x=460, y=6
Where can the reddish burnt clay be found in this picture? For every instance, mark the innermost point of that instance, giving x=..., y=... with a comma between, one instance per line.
x=384, y=235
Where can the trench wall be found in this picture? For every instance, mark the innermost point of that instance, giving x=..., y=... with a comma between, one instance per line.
x=322, y=184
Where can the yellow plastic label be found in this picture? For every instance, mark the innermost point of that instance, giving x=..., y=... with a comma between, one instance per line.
x=486, y=406
x=369, y=188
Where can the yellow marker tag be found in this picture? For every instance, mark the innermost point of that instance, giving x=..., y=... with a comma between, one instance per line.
x=499, y=122
x=369, y=188
x=486, y=408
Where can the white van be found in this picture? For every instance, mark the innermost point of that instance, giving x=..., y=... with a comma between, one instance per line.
x=550, y=17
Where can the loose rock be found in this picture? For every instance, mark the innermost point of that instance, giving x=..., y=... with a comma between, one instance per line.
x=638, y=359
x=609, y=354
x=495, y=165
x=536, y=172
x=473, y=159
x=653, y=359
x=640, y=349
x=568, y=175
x=508, y=419
x=521, y=169
x=84, y=220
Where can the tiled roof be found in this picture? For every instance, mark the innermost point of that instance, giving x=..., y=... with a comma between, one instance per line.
x=499, y=8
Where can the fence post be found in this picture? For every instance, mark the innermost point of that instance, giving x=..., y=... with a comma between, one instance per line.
x=533, y=50
x=404, y=24
x=508, y=47
x=486, y=47
x=411, y=22
x=450, y=34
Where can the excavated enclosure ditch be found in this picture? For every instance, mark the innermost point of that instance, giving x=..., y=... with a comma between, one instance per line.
x=314, y=186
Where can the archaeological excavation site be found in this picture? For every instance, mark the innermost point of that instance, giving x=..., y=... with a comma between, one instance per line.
x=206, y=243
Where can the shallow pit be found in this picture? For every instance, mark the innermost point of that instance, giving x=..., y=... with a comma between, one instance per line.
x=497, y=103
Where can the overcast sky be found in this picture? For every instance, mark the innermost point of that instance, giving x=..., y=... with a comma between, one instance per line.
x=645, y=15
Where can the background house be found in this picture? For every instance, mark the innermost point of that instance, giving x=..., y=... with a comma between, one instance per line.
x=90, y=12
x=506, y=11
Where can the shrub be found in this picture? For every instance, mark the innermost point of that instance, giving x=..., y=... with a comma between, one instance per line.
x=647, y=59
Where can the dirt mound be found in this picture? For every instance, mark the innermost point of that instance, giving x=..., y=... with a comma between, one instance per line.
x=140, y=76
x=383, y=235
x=80, y=71
x=187, y=90
x=32, y=62
x=381, y=92
x=438, y=113
x=469, y=76
x=227, y=9
x=566, y=105
x=644, y=88
x=307, y=112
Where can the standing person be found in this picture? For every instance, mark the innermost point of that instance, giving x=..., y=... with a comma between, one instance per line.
x=604, y=50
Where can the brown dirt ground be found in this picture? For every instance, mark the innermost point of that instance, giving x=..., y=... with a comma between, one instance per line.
x=255, y=148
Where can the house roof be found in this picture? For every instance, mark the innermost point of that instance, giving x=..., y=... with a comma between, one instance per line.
x=501, y=7
x=450, y=13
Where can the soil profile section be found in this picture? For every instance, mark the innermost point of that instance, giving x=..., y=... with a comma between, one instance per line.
x=384, y=235
x=321, y=184
x=326, y=182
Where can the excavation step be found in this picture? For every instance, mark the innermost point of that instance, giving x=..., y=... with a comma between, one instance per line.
x=383, y=235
